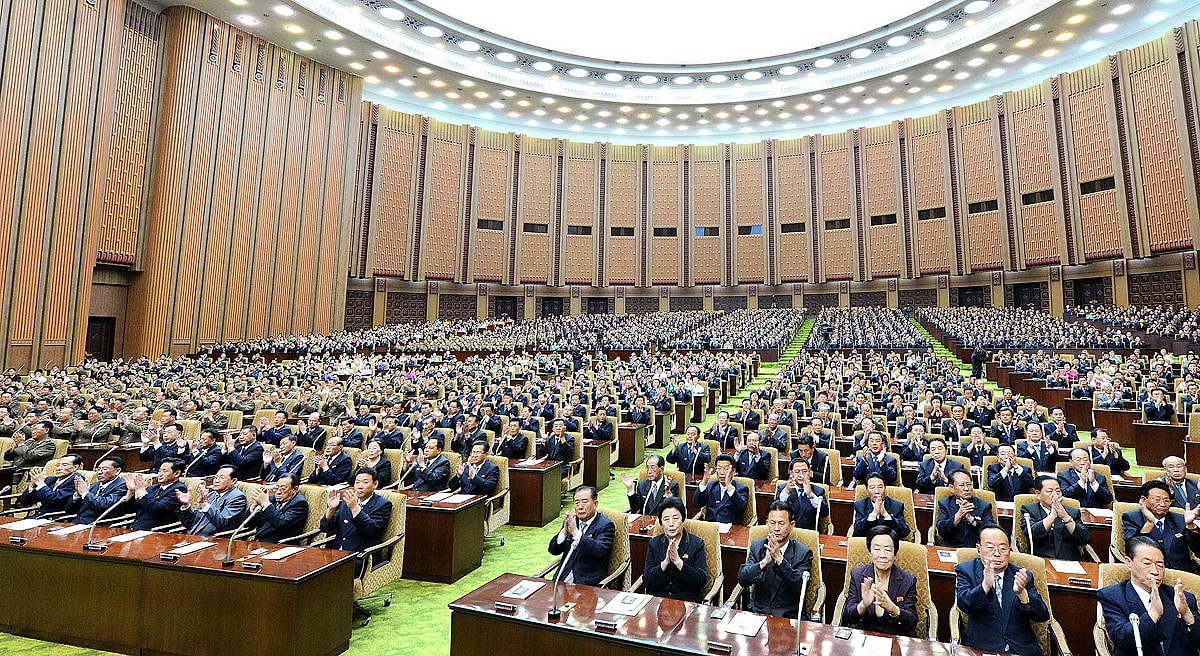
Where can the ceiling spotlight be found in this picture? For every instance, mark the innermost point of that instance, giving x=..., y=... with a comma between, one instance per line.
x=860, y=53
x=899, y=78
x=788, y=70
x=739, y=108
x=824, y=62
x=1076, y=19
x=928, y=77
x=978, y=61
x=1106, y=28
x=496, y=104
x=469, y=46
x=344, y=51
x=962, y=75
x=718, y=78
x=294, y=29
x=506, y=57
x=284, y=10
x=333, y=34
x=937, y=26
x=683, y=79
x=356, y=66
x=1049, y=52
x=508, y=93
x=542, y=66
x=976, y=6
x=247, y=19
x=995, y=72
x=424, y=70
x=752, y=75
x=431, y=31
x=647, y=79
x=304, y=45
x=1011, y=58
x=614, y=77
x=578, y=72
x=1121, y=9
x=371, y=79
x=898, y=41
x=1025, y=43
x=379, y=54
x=391, y=13
x=942, y=65
x=987, y=47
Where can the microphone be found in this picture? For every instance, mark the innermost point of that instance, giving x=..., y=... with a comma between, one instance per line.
x=554, y=612
x=1137, y=631
x=101, y=545
x=229, y=549
x=107, y=453
x=199, y=455
x=1029, y=530
x=800, y=610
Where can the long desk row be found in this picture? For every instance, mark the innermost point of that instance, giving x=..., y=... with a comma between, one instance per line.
x=478, y=627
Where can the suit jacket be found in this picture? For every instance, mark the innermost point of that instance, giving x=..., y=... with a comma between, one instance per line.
x=99, y=499
x=293, y=463
x=894, y=507
x=391, y=440
x=158, y=507
x=727, y=509
x=1175, y=540
x=1065, y=438
x=962, y=534
x=759, y=470
x=156, y=455
x=1058, y=542
x=777, y=587
x=587, y=564
x=749, y=420
x=914, y=451
x=690, y=459
x=1002, y=627
x=338, y=472
x=686, y=584
x=355, y=533
x=1008, y=487
x=53, y=496
x=204, y=462
x=555, y=449
x=776, y=439
x=976, y=455
x=1189, y=494
x=1156, y=413
x=383, y=472
x=1068, y=480
x=866, y=465
x=225, y=512
x=602, y=432
x=636, y=416
x=1043, y=462
x=31, y=453
x=925, y=482
x=273, y=434
x=483, y=482
x=725, y=436
x=642, y=502
x=247, y=460
x=278, y=521
x=513, y=447
x=951, y=432
x=433, y=477
x=902, y=589
x=463, y=444
x=1167, y=637
x=806, y=515
x=1007, y=434
x=1117, y=463
x=313, y=438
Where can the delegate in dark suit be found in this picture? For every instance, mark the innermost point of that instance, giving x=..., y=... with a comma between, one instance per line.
x=1008, y=485
x=867, y=465
x=962, y=534
x=645, y=501
x=433, y=477
x=204, y=462
x=1174, y=539
x=555, y=449
x=588, y=564
x=902, y=589
x=995, y=625
x=482, y=481
x=293, y=463
x=805, y=513
x=1184, y=493
x=1058, y=542
x=926, y=482
x=99, y=498
x=247, y=459
x=53, y=496
x=1116, y=461
x=685, y=584
x=511, y=447
x=279, y=521
x=689, y=458
x=1073, y=488
x=1169, y=636
x=719, y=505
x=224, y=512
x=1065, y=437
x=1043, y=455
x=337, y=473
x=755, y=466
x=894, y=507
x=776, y=587
x=158, y=507
x=358, y=532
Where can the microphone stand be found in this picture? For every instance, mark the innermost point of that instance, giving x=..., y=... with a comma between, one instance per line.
x=1137, y=630
x=101, y=545
x=554, y=613
x=800, y=610
x=1029, y=530
x=229, y=549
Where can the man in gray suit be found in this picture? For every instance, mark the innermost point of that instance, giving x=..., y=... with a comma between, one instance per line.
x=223, y=507
x=647, y=495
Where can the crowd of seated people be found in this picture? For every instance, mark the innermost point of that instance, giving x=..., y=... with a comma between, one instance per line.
x=864, y=327
x=1172, y=321
x=744, y=329
x=1022, y=328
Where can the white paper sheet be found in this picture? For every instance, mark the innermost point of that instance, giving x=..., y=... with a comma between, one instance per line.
x=724, y=528
x=67, y=530
x=524, y=589
x=440, y=496
x=130, y=537
x=1067, y=566
x=25, y=524
x=531, y=462
x=1100, y=512
x=626, y=603
x=743, y=623
x=280, y=554
x=1005, y=505
x=947, y=556
x=192, y=548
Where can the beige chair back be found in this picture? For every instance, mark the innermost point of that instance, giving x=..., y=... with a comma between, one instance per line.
x=814, y=598
x=903, y=495
x=912, y=558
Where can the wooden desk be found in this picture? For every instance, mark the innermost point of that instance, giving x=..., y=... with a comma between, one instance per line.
x=698, y=403
x=151, y=606
x=444, y=542
x=631, y=444
x=662, y=428
x=535, y=491
x=1119, y=424
x=664, y=627
x=682, y=415
x=597, y=456
x=713, y=392
x=1079, y=412
x=92, y=452
x=1154, y=442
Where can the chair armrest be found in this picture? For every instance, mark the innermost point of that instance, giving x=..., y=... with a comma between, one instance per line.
x=1114, y=556
x=713, y=596
x=323, y=541
x=1087, y=548
x=618, y=572
x=637, y=585
x=819, y=602
x=1059, y=637
x=933, y=621
x=550, y=568
x=736, y=594
x=368, y=554
x=302, y=536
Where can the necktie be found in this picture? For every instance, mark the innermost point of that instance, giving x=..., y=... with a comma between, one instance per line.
x=1159, y=527
x=1182, y=494
x=1000, y=589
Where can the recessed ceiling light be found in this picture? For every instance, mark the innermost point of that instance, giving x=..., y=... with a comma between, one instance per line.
x=294, y=29
x=962, y=75
x=718, y=78
x=614, y=77
x=438, y=83
x=1076, y=19
x=1024, y=43
x=1106, y=28
x=978, y=61
x=1082, y=3
x=987, y=47
x=1049, y=52
x=508, y=93
x=995, y=72
x=1035, y=27
x=942, y=65
x=304, y=45
x=626, y=108
x=976, y=6
x=391, y=13
x=247, y=19
x=333, y=34
x=421, y=94
x=371, y=79
x=858, y=89
x=897, y=101
x=928, y=77
x=899, y=78
x=682, y=116
x=578, y=72
x=392, y=69
x=860, y=53
x=752, y=75
x=1121, y=9
x=431, y=31
x=1010, y=58
x=739, y=108
x=683, y=79
x=482, y=95
x=542, y=66
x=1064, y=37
x=898, y=41
x=357, y=66
x=937, y=26
x=496, y=104
x=523, y=103
x=824, y=62
x=664, y=110
x=647, y=79
x=788, y=70
x=842, y=99
x=405, y=82
x=945, y=87
x=760, y=111
x=868, y=101
x=506, y=57
x=914, y=89
x=885, y=89
x=469, y=46
x=284, y=10
x=826, y=109
x=379, y=54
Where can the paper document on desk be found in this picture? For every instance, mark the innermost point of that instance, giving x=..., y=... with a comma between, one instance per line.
x=67, y=530
x=872, y=644
x=626, y=603
x=1005, y=505
x=130, y=537
x=1100, y=512
x=25, y=524
x=724, y=528
x=192, y=548
x=457, y=498
x=743, y=623
x=947, y=556
x=280, y=554
x=531, y=462
x=1117, y=478
x=440, y=496
x=524, y=589
x=1067, y=566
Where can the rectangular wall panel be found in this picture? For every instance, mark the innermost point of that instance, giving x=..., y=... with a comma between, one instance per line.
x=392, y=193
x=1091, y=133
x=537, y=175
x=1161, y=147
x=748, y=193
x=666, y=183
x=707, y=205
x=492, y=174
x=581, y=198
x=623, y=209
x=443, y=205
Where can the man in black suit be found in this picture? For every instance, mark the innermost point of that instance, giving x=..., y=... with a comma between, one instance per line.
x=430, y=469
x=246, y=456
x=466, y=435
x=477, y=475
x=511, y=443
x=558, y=444
x=1184, y=490
x=283, y=513
x=1006, y=429
x=775, y=565
x=1057, y=530
x=1166, y=612
x=1058, y=431
x=878, y=509
x=1000, y=599
x=876, y=460
x=310, y=433
x=691, y=457
x=333, y=466
x=1106, y=452
x=817, y=461
x=598, y=428
x=935, y=471
x=283, y=460
x=390, y=434
x=774, y=436
x=916, y=445
x=585, y=541
x=957, y=427
x=1175, y=534
x=207, y=457
x=156, y=504
x=977, y=449
x=981, y=413
x=1158, y=408
x=808, y=501
x=356, y=517
x=748, y=417
x=271, y=434
x=676, y=564
x=1041, y=451
x=646, y=496
x=962, y=515
x=1083, y=484
x=168, y=442
x=92, y=501
x=1006, y=477
x=724, y=499
x=723, y=432
x=53, y=494
x=752, y=461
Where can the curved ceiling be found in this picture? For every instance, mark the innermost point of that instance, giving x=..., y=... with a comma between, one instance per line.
x=560, y=77
x=678, y=32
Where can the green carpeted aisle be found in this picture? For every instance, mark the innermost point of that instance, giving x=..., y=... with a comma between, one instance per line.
x=418, y=621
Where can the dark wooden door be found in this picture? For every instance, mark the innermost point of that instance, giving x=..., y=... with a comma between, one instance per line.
x=101, y=334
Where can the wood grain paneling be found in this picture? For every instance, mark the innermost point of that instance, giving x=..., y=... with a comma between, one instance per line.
x=707, y=204
x=1160, y=154
x=579, y=265
x=666, y=211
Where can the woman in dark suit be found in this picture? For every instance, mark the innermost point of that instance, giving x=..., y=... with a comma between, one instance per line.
x=882, y=597
x=373, y=457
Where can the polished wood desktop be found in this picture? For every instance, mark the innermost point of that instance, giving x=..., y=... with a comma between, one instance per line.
x=597, y=462
x=664, y=627
x=93, y=452
x=631, y=445
x=536, y=492
x=128, y=600
x=444, y=541
x=1155, y=441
